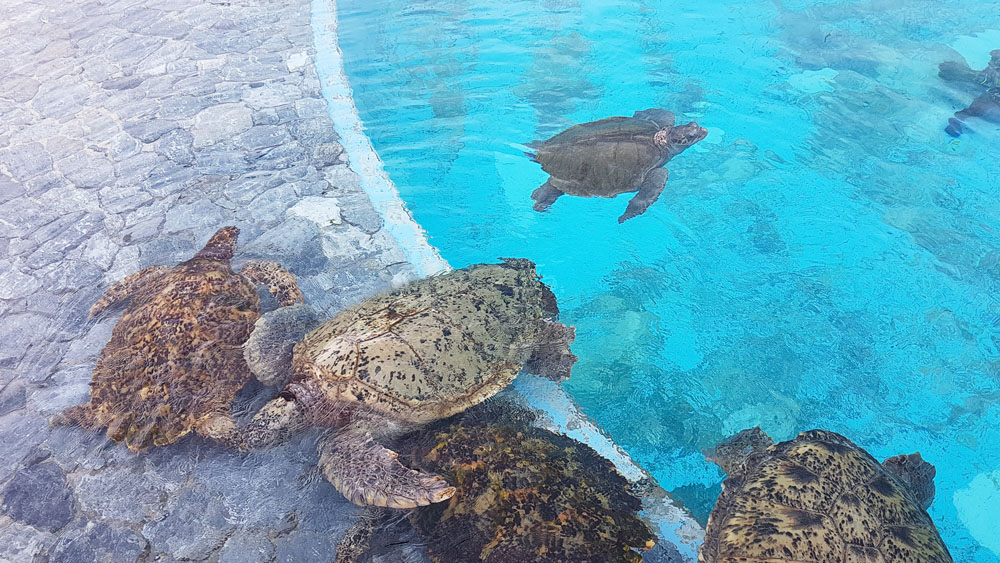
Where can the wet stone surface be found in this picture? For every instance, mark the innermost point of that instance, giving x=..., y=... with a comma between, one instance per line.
x=38, y=496
x=130, y=131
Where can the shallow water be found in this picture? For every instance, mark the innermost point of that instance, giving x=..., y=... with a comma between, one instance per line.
x=827, y=258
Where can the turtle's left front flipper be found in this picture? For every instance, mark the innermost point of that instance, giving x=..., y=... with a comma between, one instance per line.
x=649, y=190
x=281, y=283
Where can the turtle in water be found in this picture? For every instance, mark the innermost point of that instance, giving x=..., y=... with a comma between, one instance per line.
x=820, y=497
x=421, y=353
x=613, y=156
x=174, y=361
x=523, y=494
x=986, y=83
x=526, y=494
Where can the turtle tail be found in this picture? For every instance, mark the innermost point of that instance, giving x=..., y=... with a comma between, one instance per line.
x=80, y=415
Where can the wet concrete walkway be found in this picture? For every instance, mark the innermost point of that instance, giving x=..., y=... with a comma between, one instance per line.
x=129, y=132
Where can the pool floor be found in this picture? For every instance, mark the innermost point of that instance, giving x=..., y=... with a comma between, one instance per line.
x=826, y=258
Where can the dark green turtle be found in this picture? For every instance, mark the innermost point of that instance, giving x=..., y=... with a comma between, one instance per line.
x=820, y=498
x=613, y=156
x=986, y=82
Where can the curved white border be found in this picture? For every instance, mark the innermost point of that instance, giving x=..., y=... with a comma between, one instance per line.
x=363, y=159
x=675, y=525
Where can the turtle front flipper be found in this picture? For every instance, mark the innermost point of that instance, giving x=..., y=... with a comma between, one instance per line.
x=544, y=196
x=281, y=283
x=552, y=358
x=650, y=189
x=661, y=117
x=121, y=290
x=275, y=422
x=222, y=428
x=954, y=71
x=367, y=473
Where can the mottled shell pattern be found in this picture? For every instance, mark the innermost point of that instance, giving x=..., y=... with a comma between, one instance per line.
x=602, y=158
x=819, y=498
x=174, y=358
x=432, y=348
x=526, y=494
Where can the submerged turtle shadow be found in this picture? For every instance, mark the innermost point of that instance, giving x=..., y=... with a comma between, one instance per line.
x=986, y=82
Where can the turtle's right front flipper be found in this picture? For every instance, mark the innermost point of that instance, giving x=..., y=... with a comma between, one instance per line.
x=649, y=190
x=123, y=289
x=367, y=473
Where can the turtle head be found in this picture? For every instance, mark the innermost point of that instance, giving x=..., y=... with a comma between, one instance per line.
x=916, y=474
x=734, y=453
x=221, y=246
x=683, y=136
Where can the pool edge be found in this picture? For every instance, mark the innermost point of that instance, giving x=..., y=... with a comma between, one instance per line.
x=362, y=158
x=673, y=523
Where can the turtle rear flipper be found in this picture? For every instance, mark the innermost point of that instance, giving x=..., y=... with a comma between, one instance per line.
x=545, y=196
x=552, y=358
x=281, y=283
x=916, y=474
x=79, y=415
x=367, y=473
x=123, y=289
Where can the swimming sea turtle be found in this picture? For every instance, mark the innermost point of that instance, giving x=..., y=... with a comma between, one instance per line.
x=987, y=104
x=817, y=498
x=174, y=362
x=613, y=156
x=421, y=353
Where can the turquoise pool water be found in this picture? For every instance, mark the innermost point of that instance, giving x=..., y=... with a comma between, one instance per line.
x=828, y=257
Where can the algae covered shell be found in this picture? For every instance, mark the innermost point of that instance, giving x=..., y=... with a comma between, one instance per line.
x=526, y=494
x=820, y=497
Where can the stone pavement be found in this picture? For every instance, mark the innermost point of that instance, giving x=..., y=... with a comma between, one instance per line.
x=130, y=131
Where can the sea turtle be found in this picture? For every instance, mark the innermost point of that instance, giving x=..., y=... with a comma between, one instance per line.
x=174, y=362
x=613, y=156
x=523, y=494
x=817, y=498
x=526, y=494
x=986, y=83
x=417, y=354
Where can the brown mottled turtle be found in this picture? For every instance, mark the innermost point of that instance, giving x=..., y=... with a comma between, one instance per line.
x=523, y=494
x=986, y=105
x=612, y=156
x=421, y=353
x=526, y=494
x=820, y=498
x=174, y=362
